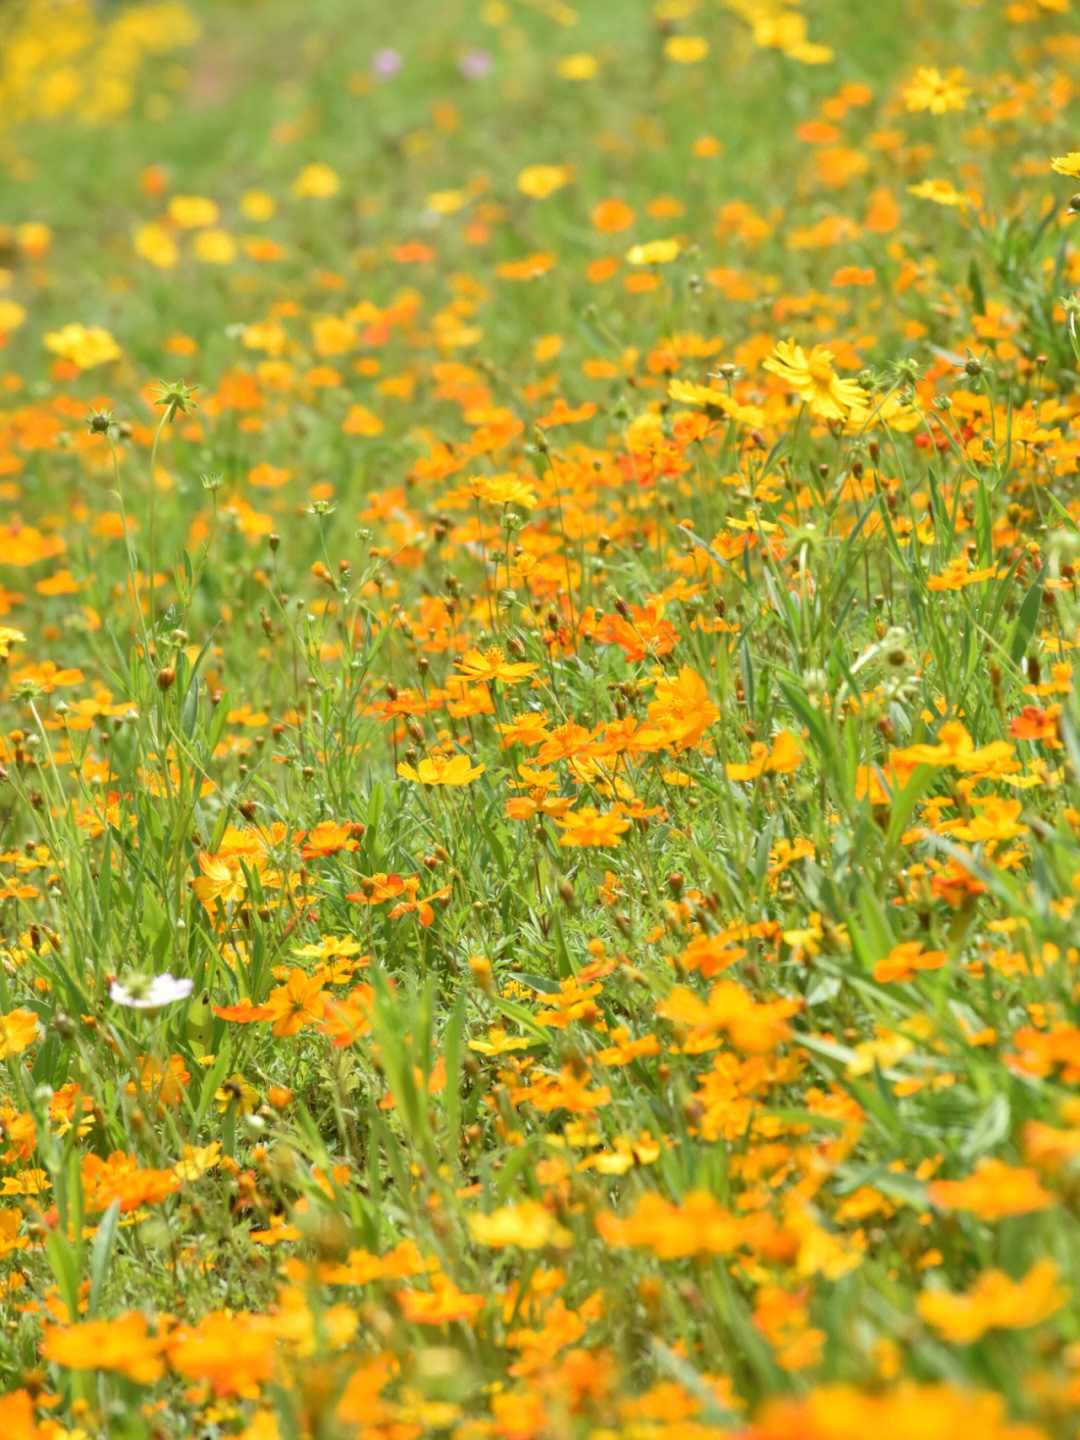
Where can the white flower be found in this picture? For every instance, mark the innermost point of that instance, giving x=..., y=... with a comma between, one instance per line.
x=144, y=992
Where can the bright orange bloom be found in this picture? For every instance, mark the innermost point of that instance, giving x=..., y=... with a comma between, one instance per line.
x=439, y=1306
x=589, y=826
x=681, y=709
x=119, y=1178
x=121, y=1344
x=234, y=1352
x=300, y=1001
x=491, y=664
x=781, y=759
x=956, y=749
x=18, y=1029
x=995, y=1303
x=641, y=632
x=752, y=1028
x=905, y=960
x=994, y=1190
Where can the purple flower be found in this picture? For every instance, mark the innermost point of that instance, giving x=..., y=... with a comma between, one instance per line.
x=475, y=64
x=385, y=64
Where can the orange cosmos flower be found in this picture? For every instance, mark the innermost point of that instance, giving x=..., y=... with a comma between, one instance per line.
x=119, y=1178
x=234, y=1352
x=994, y=1190
x=750, y=1027
x=642, y=631
x=681, y=709
x=121, y=1344
x=300, y=1001
x=956, y=749
x=329, y=838
x=995, y=1303
x=784, y=757
x=444, y=1303
x=905, y=960
x=589, y=826
x=18, y=1029
x=491, y=664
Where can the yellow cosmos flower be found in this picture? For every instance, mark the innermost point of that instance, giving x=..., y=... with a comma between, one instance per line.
x=930, y=90
x=540, y=181
x=83, y=347
x=941, y=192
x=440, y=769
x=530, y=1226
x=191, y=212
x=814, y=380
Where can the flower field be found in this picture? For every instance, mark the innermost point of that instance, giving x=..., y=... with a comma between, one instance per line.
x=539, y=745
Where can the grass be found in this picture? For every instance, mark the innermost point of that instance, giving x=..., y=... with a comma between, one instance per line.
x=539, y=807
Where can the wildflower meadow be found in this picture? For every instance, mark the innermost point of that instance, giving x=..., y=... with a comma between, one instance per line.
x=539, y=742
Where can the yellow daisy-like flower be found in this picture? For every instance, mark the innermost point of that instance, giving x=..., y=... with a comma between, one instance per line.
x=83, y=347
x=930, y=90
x=441, y=769
x=540, y=181
x=1067, y=164
x=941, y=192
x=814, y=380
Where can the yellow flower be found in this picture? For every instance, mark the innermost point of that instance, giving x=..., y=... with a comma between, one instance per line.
x=191, y=212
x=540, y=181
x=1068, y=165
x=154, y=243
x=84, y=348
x=9, y=637
x=12, y=315
x=686, y=49
x=941, y=192
x=236, y=1091
x=215, y=247
x=654, y=252
x=930, y=90
x=814, y=380
x=530, y=1226
x=580, y=66
x=440, y=769
x=316, y=182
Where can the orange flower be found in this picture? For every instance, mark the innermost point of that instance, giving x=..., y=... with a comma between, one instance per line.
x=439, y=1306
x=18, y=1029
x=752, y=1028
x=784, y=757
x=329, y=838
x=641, y=632
x=697, y=1226
x=491, y=664
x=994, y=1190
x=234, y=1352
x=119, y=1178
x=121, y=1344
x=299, y=1002
x=956, y=749
x=905, y=960
x=681, y=709
x=589, y=826
x=995, y=1303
